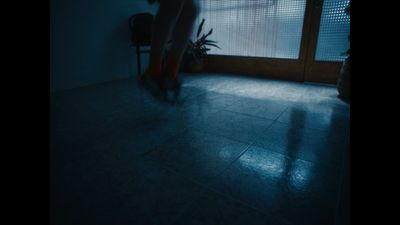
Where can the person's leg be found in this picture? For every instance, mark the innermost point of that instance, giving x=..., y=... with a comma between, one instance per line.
x=163, y=24
x=181, y=34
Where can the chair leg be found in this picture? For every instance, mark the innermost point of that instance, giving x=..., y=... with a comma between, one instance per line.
x=139, y=65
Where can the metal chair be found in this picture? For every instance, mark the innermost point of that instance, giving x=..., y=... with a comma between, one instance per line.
x=141, y=26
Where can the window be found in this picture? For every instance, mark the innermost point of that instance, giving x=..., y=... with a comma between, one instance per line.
x=260, y=28
x=333, y=32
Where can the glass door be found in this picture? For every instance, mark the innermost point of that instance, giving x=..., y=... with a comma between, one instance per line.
x=257, y=37
x=329, y=42
x=286, y=39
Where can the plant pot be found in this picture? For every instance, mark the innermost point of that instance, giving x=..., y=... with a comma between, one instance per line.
x=343, y=84
x=195, y=66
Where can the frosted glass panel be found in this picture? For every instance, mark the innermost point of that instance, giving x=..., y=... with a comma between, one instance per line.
x=333, y=32
x=262, y=28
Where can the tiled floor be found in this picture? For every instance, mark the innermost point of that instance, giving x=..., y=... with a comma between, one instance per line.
x=237, y=150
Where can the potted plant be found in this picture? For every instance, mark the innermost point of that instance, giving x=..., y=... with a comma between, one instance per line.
x=343, y=84
x=197, y=50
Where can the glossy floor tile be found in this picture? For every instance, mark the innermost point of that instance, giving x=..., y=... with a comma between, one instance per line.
x=324, y=147
x=267, y=109
x=234, y=150
x=298, y=190
x=199, y=156
x=213, y=208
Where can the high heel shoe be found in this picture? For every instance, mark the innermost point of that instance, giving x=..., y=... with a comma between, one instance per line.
x=175, y=86
x=155, y=86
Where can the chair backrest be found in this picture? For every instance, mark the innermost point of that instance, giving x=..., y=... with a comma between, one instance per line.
x=141, y=26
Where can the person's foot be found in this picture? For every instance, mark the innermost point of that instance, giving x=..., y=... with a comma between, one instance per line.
x=154, y=85
x=172, y=85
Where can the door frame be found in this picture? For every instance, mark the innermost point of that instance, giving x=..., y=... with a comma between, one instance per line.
x=305, y=68
x=318, y=71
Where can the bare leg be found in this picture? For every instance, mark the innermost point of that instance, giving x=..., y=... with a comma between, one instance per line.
x=181, y=34
x=164, y=21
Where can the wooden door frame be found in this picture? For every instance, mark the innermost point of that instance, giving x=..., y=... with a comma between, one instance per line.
x=302, y=69
x=318, y=71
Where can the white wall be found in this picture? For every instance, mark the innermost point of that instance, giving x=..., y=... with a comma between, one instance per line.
x=90, y=41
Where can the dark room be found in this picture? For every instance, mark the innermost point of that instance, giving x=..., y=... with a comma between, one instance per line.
x=200, y=112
